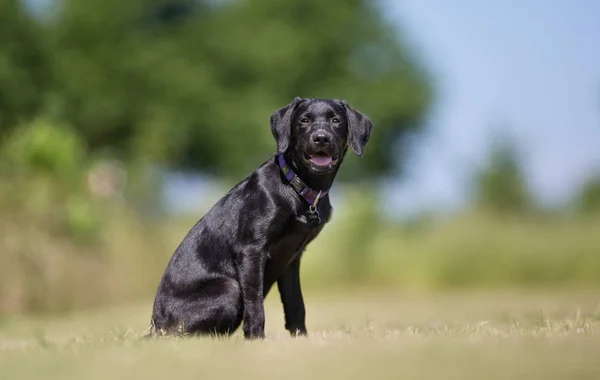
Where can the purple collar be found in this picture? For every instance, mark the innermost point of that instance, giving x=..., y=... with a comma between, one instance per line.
x=309, y=195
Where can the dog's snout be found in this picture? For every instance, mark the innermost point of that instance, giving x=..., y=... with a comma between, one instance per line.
x=321, y=139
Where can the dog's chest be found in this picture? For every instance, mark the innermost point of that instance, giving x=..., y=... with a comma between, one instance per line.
x=285, y=249
x=302, y=221
x=294, y=235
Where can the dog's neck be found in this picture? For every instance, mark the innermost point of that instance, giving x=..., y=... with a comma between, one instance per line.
x=314, y=180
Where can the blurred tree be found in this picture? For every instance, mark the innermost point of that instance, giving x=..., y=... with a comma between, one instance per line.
x=192, y=84
x=501, y=185
x=24, y=72
x=44, y=148
x=588, y=200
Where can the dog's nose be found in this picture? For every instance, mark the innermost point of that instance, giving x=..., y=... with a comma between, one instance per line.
x=321, y=139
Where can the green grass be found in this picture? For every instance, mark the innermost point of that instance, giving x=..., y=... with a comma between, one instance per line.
x=381, y=335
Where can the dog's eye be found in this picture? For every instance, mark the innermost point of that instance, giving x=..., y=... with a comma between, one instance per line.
x=304, y=120
x=335, y=120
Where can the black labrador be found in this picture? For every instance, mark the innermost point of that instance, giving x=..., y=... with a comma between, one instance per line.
x=255, y=235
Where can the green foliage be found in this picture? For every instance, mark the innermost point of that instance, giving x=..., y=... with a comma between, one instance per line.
x=193, y=84
x=501, y=185
x=44, y=147
x=24, y=71
x=43, y=168
x=588, y=201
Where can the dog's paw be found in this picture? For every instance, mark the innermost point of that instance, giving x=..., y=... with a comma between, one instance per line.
x=254, y=334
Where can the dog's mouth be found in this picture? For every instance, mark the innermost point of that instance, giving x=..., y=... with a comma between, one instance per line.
x=321, y=159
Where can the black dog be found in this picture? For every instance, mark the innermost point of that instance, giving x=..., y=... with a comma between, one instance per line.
x=255, y=235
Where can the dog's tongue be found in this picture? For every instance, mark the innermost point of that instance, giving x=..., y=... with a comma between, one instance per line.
x=320, y=160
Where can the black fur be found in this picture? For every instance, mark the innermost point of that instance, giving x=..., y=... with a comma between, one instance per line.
x=254, y=236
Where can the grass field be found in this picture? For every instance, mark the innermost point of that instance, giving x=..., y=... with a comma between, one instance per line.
x=484, y=335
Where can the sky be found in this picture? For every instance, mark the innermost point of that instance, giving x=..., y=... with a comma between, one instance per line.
x=530, y=66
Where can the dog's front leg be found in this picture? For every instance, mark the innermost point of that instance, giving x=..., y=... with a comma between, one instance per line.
x=291, y=297
x=251, y=280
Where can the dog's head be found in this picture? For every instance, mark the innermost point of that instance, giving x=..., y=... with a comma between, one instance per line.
x=318, y=132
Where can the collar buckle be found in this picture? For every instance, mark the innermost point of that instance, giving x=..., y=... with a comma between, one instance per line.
x=297, y=184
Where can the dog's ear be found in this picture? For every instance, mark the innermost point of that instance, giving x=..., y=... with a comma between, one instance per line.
x=281, y=124
x=359, y=128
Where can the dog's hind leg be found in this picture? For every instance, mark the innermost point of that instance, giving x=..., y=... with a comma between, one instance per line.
x=216, y=308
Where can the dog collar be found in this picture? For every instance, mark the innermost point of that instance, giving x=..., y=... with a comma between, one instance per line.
x=311, y=196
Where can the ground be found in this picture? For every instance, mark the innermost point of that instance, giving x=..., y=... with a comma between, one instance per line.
x=383, y=335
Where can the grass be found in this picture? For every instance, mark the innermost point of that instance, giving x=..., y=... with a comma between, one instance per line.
x=382, y=335
x=45, y=266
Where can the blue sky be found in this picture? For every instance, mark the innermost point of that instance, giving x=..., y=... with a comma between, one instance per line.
x=531, y=65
